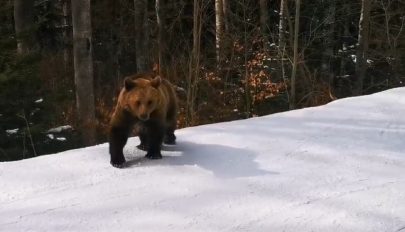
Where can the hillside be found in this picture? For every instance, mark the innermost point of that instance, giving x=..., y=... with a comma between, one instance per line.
x=338, y=167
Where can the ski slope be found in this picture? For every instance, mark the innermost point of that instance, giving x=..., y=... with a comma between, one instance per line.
x=338, y=167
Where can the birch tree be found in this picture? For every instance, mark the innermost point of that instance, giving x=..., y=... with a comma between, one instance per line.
x=219, y=30
x=282, y=25
x=362, y=46
x=161, y=24
x=281, y=36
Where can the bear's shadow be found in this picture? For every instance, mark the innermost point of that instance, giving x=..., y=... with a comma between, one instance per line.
x=222, y=161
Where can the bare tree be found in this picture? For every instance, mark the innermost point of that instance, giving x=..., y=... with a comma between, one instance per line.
x=295, y=61
x=393, y=32
x=281, y=36
x=248, y=95
x=83, y=66
x=345, y=34
x=24, y=25
x=362, y=46
x=282, y=25
x=219, y=30
x=194, y=64
x=141, y=35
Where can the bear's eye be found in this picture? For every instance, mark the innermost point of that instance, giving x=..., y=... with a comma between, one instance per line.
x=137, y=103
x=149, y=102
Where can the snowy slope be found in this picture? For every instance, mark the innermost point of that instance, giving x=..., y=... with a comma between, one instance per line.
x=339, y=167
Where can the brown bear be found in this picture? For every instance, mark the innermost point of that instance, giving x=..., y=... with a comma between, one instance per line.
x=149, y=103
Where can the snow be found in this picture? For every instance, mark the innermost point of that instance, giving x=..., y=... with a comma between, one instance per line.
x=61, y=138
x=338, y=167
x=12, y=131
x=34, y=111
x=51, y=136
x=59, y=129
x=354, y=58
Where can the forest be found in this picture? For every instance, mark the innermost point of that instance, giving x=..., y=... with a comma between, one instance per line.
x=62, y=63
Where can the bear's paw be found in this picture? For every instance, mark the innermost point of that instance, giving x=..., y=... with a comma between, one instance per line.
x=118, y=164
x=153, y=155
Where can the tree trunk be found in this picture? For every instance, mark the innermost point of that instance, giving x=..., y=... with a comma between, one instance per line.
x=329, y=41
x=246, y=42
x=194, y=64
x=362, y=46
x=264, y=17
x=24, y=25
x=281, y=37
x=295, y=61
x=282, y=25
x=346, y=34
x=67, y=35
x=141, y=35
x=83, y=66
x=226, y=6
x=162, y=46
x=219, y=30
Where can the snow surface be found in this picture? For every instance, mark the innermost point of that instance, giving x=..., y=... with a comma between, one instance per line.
x=339, y=167
x=12, y=131
x=59, y=129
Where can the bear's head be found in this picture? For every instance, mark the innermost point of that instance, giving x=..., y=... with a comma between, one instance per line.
x=141, y=96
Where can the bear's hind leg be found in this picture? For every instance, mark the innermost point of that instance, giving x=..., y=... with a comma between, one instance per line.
x=170, y=138
x=171, y=120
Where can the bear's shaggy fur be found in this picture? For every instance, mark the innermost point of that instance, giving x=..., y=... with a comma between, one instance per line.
x=149, y=103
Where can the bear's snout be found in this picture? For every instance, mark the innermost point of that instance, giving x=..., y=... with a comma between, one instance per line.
x=144, y=117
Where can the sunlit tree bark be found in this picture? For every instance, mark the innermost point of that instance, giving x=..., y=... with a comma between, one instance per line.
x=219, y=30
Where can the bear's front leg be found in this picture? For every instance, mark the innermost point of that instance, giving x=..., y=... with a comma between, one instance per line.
x=155, y=138
x=143, y=137
x=117, y=139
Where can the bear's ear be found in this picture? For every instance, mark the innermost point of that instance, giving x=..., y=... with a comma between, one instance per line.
x=129, y=83
x=155, y=82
